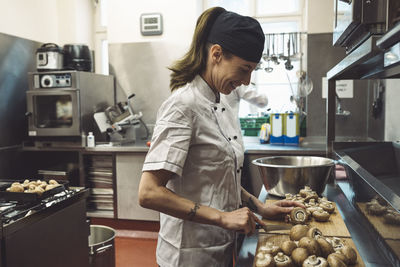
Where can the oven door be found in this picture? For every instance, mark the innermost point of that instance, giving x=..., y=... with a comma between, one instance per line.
x=347, y=18
x=53, y=112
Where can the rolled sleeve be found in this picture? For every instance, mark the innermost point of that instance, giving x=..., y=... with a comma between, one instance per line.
x=170, y=142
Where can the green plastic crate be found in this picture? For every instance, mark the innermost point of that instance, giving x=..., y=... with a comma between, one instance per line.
x=251, y=131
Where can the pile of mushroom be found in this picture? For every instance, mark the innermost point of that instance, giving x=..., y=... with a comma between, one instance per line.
x=38, y=186
x=379, y=207
x=307, y=247
x=316, y=207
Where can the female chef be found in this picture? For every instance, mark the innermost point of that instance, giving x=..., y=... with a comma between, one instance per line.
x=191, y=173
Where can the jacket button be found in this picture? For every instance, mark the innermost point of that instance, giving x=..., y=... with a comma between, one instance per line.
x=215, y=108
x=229, y=139
x=223, y=109
x=241, y=167
x=235, y=137
x=238, y=170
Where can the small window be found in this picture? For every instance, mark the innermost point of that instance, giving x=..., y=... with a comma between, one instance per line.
x=277, y=7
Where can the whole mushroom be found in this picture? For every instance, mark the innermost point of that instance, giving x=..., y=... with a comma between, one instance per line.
x=313, y=261
x=299, y=255
x=314, y=233
x=298, y=231
x=350, y=254
x=335, y=261
x=311, y=245
x=298, y=215
x=326, y=247
x=288, y=246
x=321, y=216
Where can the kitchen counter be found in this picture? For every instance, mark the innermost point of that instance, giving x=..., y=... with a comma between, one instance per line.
x=309, y=146
x=366, y=240
x=252, y=145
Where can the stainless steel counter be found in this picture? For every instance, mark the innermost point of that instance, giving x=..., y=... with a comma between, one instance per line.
x=366, y=240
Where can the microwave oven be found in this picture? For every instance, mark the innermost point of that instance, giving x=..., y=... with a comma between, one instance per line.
x=62, y=103
x=356, y=20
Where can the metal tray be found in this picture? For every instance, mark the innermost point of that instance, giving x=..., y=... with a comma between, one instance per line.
x=29, y=197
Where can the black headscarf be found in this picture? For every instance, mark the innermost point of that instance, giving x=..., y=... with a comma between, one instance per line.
x=240, y=35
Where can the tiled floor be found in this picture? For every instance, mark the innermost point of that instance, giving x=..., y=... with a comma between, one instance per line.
x=132, y=252
x=135, y=242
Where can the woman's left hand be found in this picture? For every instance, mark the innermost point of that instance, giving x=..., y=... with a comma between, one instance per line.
x=278, y=209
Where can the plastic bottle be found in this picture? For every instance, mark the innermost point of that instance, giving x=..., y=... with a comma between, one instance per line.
x=83, y=139
x=90, y=140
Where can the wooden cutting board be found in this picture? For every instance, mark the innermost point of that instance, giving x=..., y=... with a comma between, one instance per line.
x=387, y=231
x=278, y=239
x=334, y=227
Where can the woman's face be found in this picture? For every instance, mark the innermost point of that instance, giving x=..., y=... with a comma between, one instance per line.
x=227, y=73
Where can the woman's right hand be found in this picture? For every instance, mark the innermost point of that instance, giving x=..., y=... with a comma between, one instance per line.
x=242, y=220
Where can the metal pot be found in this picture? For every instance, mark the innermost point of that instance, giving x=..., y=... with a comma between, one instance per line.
x=101, y=246
x=288, y=174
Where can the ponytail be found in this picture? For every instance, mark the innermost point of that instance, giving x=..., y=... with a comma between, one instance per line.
x=194, y=61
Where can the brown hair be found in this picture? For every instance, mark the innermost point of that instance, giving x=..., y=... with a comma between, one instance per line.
x=194, y=61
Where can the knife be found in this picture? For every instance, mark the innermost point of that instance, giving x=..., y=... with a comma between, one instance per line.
x=273, y=227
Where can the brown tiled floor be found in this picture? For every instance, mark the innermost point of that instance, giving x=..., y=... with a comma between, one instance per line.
x=132, y=252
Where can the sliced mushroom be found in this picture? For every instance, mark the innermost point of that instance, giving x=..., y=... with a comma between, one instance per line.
x=310, y=196
x=392, y=218
x=266, y=261
x=376, y=209
x=329, y=207
x=313, y=261
x=305, y=191
x=282, y=260
x=269, y=248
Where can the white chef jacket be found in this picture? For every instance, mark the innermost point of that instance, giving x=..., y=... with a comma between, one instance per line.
x=196, y=139
x=248, y=94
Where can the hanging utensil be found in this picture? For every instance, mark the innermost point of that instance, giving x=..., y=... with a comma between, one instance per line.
x=268, y=58
x=274, y=56
x=282, y=54
x=288, y=64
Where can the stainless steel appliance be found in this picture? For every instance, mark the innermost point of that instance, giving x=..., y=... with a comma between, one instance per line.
x=49, y=57
x=356, y=20
x=62, y=103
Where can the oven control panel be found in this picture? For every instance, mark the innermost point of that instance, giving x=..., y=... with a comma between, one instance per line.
x=54, y=80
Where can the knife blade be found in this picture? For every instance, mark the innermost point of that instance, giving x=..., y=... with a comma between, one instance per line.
x=273, y=227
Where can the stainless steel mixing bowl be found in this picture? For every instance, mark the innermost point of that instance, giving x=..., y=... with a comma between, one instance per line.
x=289, y=174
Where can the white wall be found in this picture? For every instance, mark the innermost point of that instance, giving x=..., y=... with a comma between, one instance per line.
x=320, y=16
x=392, y=118
x=56, y=21
x=179, y=19
x=31, y=19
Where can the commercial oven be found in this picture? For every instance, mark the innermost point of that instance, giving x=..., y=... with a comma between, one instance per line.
x=62, y=103
x=356, y=20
